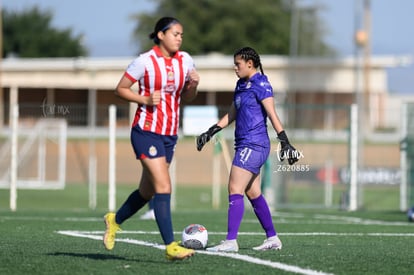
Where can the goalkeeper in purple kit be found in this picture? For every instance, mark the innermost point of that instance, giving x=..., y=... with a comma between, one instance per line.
x=252, y=104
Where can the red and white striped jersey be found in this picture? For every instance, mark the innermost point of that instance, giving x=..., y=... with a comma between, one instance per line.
x=154, y=72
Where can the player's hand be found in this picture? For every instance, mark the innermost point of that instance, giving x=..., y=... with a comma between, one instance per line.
x=206, y=136
x=287, y=151
x=194, y=78
x=154, y=98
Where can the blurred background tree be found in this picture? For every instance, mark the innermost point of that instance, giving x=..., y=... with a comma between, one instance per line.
x=30, y=34
x=269, y=26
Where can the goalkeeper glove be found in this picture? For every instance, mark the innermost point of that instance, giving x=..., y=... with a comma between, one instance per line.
x=206, y=136
x=287, y=150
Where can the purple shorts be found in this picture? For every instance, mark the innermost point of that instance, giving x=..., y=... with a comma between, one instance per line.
x=150, y=145
x=251, y=159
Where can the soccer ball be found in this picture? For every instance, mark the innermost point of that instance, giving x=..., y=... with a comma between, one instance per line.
x=195, y=236
x=410, y=214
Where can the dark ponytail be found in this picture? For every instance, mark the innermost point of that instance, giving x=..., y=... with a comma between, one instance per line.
x=162, y=25
x=247, y=53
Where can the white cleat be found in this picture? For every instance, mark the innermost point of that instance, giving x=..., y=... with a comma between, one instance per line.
x=149, y=215
x=269, y=244
x=225, y=246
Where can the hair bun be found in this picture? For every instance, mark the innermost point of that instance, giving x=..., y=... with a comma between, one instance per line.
x=162, y=25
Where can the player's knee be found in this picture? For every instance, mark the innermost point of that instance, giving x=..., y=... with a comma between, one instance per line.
x=162, y=188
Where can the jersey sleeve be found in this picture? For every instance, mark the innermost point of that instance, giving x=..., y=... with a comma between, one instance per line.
x=188, y=63
x=263, y=88
x=136, y=69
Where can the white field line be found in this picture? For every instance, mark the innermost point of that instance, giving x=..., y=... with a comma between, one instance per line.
x=297, y=234
x=246, y=258
x=66, y=219
x=279, y=217
x=316, y=220
x=342, y=222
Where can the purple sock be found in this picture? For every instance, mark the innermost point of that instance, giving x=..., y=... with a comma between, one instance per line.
x=261, y=209
x=235, y=215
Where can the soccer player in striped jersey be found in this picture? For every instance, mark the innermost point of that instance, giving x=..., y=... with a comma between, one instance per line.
x=164, y=75
x=252, y=105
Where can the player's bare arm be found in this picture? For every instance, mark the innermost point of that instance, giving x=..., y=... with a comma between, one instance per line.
x=271, y=113
x=123, y=90
x=190, y=88
x=228, y=118
x=225, y=121
x=287, y=150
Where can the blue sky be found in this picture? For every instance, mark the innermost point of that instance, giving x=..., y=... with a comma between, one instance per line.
x=107, y=27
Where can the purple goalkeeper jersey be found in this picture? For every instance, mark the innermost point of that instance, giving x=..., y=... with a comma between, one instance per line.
x=251, y=117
